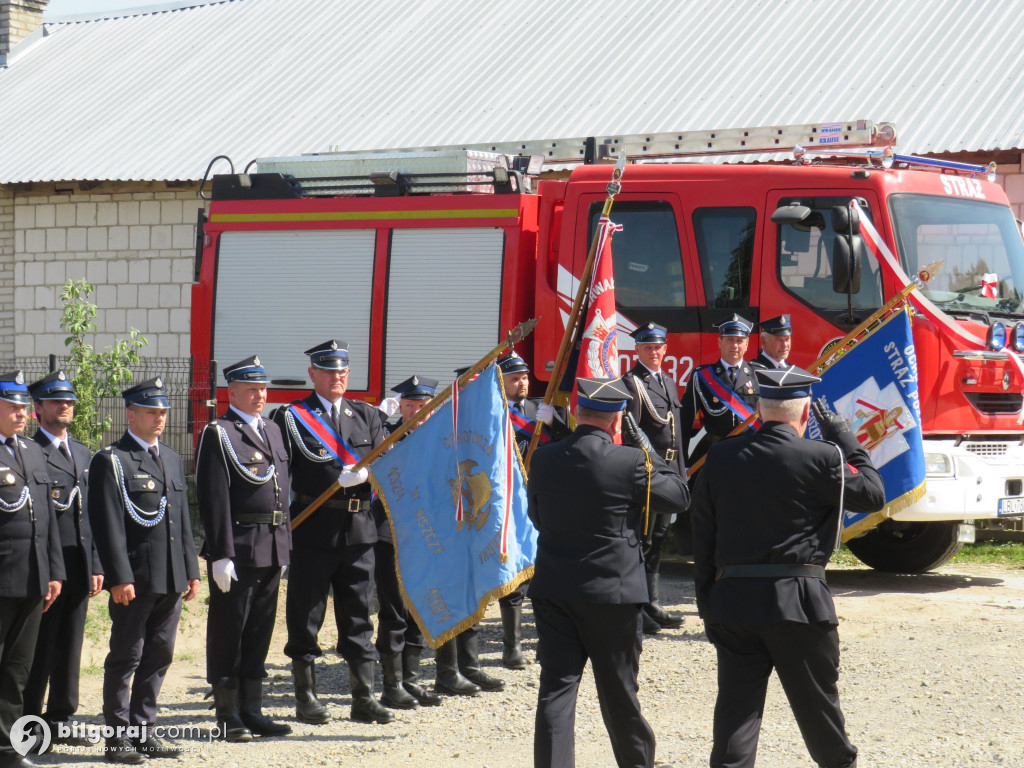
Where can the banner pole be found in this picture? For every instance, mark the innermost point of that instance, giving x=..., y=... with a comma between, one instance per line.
x=571, y=325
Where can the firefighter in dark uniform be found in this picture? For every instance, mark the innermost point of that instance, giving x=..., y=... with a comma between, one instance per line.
x=588, y=499
x=138, y=509
x=525, y=412
x=58, y=654
x=243, y=489
x=723, y=394
x=655, y=407
x=31, y=563
x=399, y=639
x=326, y=435
x=760, y=550
x=776, y=342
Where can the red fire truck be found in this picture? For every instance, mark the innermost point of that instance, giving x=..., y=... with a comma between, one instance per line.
x=420, y=259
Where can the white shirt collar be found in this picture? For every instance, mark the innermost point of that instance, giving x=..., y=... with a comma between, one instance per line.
x=654, y=373
x=328, y=405
x=251, y=420
x=143, y=443
x=54, y=440
x=727, y=366
x=776, y=363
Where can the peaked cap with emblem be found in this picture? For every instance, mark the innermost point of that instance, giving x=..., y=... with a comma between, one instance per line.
x=249, y=369
x=777, y=326
x=416, y=388
x=13, y=389
x=332, y=355
x=147, y=394
x=53, y=386
x=787, y=383
x=511, y=362
x=735, y=326
x=602, y=394
x=652, y=333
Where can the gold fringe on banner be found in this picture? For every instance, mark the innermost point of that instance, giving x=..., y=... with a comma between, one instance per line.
x=896, y=505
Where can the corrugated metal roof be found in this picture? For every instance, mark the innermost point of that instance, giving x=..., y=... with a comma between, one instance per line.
x=156, y=95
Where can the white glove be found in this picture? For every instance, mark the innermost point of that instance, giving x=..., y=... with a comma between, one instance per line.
x=224, y=573
x=546, y=413
x=389, y=405
x=348, y=478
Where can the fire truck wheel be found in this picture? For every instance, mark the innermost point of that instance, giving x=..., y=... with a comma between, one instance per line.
x=907, y=547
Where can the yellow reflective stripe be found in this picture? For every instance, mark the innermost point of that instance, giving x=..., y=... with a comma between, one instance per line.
x=472, y=213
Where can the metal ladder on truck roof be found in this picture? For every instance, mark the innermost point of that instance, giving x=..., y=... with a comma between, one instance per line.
x=727, y=141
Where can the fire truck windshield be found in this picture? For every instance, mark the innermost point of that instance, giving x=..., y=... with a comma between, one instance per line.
x=972, y=250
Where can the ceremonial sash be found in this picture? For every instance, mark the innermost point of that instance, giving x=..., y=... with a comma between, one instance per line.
x=524, y=426
x=324, y=433
x=728, y=396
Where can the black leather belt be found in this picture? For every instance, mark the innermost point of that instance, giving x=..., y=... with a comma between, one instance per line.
x=769, y=571
x=352, y=505
x=276, y=517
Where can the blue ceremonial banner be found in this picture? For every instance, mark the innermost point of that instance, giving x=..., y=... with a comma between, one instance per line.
x=456, y=500
x=874, y=386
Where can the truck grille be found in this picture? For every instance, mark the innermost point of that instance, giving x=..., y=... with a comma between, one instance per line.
x=986, y=449
x=995, y=403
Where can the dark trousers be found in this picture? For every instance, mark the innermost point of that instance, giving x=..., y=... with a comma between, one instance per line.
x=19, y=625
x=806, y=657
x=396, y=627
x=141, y=645
x=240, y=625
x=570, y=633
x=311, y=575
x=58, y=658
x=652, y=552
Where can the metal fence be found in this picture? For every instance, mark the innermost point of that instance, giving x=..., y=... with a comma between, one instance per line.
x=186, y=391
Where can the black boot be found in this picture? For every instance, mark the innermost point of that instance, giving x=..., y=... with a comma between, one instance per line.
x=651, y=627
x=365, y=708
x=394, y=694
x=225, y=704
x=512, y=623
x=250, y=707
x=449, y=679
x=307, y=708
x=468, y=645
x=411, y=673
x=653, y=608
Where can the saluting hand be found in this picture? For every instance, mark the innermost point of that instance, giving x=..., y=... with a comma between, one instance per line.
x=831, y=423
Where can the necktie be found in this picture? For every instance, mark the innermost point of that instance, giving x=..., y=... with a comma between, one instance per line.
x=336, y=417
x=732, y=375
x=258, y=427
x=66, y=450
x=12, y=443
x=156, y=457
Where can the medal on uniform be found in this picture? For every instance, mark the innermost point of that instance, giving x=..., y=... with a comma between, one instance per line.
x=257, y=456
x=9, y=478
x=151, y=485
x=56, y=494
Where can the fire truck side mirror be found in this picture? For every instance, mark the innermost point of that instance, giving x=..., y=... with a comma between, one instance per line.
x=847, y=250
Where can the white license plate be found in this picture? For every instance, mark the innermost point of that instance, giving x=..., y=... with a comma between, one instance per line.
x=1011, y=507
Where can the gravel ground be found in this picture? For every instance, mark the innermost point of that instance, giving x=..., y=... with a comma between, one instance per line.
x=932, y=675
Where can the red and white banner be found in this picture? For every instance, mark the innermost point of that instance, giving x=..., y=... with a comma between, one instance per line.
x=599, y=352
